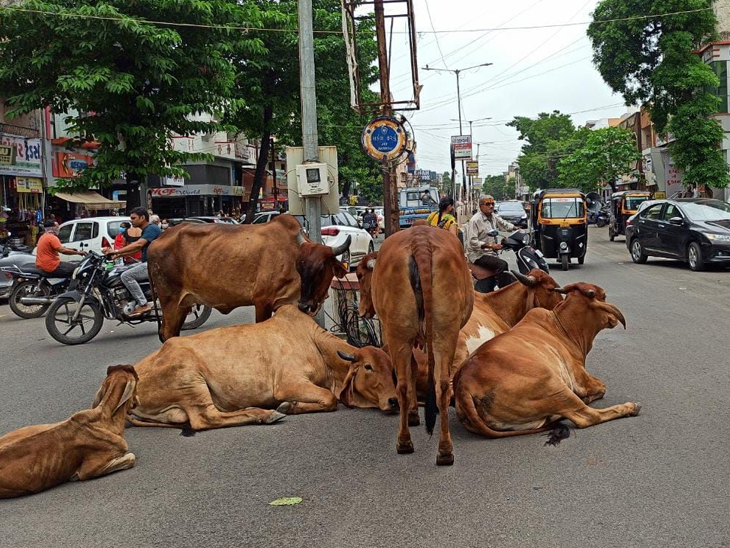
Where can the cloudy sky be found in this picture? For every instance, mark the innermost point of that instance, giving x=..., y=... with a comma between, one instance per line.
x=533, y=70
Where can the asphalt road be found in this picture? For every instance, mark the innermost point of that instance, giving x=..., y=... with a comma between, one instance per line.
x=657, y=480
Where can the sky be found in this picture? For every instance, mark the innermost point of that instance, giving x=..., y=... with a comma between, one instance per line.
x=532, y=71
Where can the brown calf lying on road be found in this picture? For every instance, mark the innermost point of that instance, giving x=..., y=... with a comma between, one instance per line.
x=88, y=445
x=253, y=374
x=525, y=380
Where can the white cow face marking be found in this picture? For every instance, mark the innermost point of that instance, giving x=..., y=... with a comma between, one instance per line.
x=484, y=334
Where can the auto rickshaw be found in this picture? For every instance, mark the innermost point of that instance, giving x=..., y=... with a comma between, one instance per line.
x=560, y=225
x=624, y=204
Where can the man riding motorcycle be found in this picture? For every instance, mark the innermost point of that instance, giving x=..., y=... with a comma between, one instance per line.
x=481, y=248
x=140, y=218
x=49, y=246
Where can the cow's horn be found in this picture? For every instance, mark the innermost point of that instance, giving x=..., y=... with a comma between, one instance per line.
x=300, y=238
x=347, y=357
x=529, y=281
x=340, y=249
x=560, y=290
x=589, y=293
x=370, y=264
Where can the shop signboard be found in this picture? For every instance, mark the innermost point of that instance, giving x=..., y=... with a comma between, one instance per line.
x=20, y=156
x=31, y=185
x=69, y=165
x=477, y=182
x=472, y=168
x=462, y=147
x=196, y=190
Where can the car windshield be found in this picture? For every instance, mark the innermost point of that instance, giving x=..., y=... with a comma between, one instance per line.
x=511, y=207
x=632, y=202
x=707, y=211
x=561, y=208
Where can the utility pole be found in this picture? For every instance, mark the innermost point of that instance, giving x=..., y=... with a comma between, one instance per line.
x=273, y=171
x=390, y=195
x=457, y=72
x=313, y=206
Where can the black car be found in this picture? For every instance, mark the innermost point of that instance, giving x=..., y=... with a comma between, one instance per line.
x=513, y=212
x=696, y=230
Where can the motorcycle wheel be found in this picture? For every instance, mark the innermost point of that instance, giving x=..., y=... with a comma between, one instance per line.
x=28, y=289
x=600, y=222
x=60, y=325
x=565, y=261
x=197, y=317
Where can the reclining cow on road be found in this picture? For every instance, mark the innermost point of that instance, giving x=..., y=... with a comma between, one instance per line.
x=421, y=291
x=525, y=380
x=226, y=266
x=256, y=373
x=88, y=445
x=494, y=313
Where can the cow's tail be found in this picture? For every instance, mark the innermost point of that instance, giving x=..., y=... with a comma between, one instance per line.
x=422, y=282
x=466, y=411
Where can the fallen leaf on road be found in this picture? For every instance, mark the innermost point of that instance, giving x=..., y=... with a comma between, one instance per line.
x=286, y=501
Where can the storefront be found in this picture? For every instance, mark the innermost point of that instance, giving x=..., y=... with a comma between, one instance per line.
x=195, y=200
x=21, y=187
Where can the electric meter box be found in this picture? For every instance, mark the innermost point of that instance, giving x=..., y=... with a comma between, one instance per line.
x=312, y=179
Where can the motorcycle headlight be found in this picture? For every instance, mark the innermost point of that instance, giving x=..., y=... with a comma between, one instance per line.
x=717, y=237
x=563, y=245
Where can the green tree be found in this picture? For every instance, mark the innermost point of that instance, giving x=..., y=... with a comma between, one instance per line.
x=606, y=154
x=499, y=187
x=129, y=84
x=652, y=61
x=268, y=87
x=550, y=138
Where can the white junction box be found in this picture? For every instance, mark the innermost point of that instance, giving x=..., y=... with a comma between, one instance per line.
x=312, y=179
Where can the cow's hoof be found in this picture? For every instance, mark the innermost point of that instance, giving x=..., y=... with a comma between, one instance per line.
x=285, y=407
x=444, y=459
x=413, y=418
x=638, y=410
x=404, y=448
x=274, y=417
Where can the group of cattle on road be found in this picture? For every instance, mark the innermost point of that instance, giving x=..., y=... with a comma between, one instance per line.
x=512, y=362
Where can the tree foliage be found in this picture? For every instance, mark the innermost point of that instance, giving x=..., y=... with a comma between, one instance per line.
x=499, y=187
x=654, y=62
x=606, y=154
x=550, y=138
x=126, y=83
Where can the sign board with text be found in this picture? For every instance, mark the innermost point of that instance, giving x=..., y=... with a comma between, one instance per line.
x=472, y=168
x=462, y=147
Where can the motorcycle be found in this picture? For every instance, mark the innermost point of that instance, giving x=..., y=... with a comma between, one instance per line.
x=12, y=255
x=527, y=258
x=602, y=218
x=33, y=291
x=76, y=317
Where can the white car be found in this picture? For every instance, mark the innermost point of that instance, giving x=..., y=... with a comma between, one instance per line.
x=92, y=233
x=336, y=228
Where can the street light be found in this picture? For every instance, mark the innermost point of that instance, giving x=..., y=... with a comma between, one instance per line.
x=458, y=99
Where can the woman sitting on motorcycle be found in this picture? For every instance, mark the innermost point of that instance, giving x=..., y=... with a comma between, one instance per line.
x=444, y=217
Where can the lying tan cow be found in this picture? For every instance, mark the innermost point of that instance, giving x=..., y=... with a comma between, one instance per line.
x=525, y=380
x=226, y=266
x=256, y=373
x=88, y=445
x=421, y=290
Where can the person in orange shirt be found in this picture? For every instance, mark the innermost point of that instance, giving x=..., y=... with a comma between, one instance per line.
x=49, y=246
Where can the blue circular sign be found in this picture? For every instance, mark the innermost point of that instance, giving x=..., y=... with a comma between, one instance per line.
x=384, y=138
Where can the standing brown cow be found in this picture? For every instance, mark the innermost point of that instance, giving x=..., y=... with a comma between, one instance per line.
x=226, y=266
x=421, y=291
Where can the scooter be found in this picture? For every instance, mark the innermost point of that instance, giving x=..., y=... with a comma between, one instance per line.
x=33, y=290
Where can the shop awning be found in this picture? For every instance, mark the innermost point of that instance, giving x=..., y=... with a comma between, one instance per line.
x=92, y=200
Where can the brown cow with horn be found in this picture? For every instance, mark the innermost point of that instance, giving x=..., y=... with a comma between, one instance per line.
x=88, y=445
x=525, y=380
x=226, y=266
x=257, y=373
x=421, y=291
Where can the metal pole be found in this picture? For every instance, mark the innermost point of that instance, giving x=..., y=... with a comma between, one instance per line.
x=309, y=111
x=273, y=163
x=390, y=201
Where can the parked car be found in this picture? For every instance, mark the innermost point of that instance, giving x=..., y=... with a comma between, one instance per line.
x=265, y=217
x=513, y=212
x=90, y=234
x=213, y=219
x=695, y=230
x=177, y=220
x=336, y=228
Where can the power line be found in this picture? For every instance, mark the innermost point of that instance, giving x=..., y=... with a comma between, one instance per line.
x=428, y=10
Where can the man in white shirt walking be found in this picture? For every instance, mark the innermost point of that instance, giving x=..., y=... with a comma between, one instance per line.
x=481, y=248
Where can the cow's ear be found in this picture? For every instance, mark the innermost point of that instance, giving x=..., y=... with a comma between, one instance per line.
x=128, y=393
x=99, y=395
x=348, y=387
x=338, y=269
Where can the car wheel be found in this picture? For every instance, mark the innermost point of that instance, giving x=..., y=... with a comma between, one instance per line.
x=694, y=257
x=637, y=252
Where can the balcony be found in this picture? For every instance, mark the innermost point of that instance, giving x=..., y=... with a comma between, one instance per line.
x=20, y=131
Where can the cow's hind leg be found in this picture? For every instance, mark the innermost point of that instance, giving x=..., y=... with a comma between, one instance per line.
x=305, y=398
x=583, y=416
x=413, y=417
x=401, y=353
x=445, y=456
x=211, y=417
x=102, y=465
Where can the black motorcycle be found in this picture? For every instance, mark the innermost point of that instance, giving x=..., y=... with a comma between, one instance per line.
x=77, y=316
x=33, y=290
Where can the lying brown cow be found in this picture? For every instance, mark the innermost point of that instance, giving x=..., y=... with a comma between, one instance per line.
x=226, y=266
x=238, y=375
x=421, y=290
x=88, y=445
x=525, y=380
